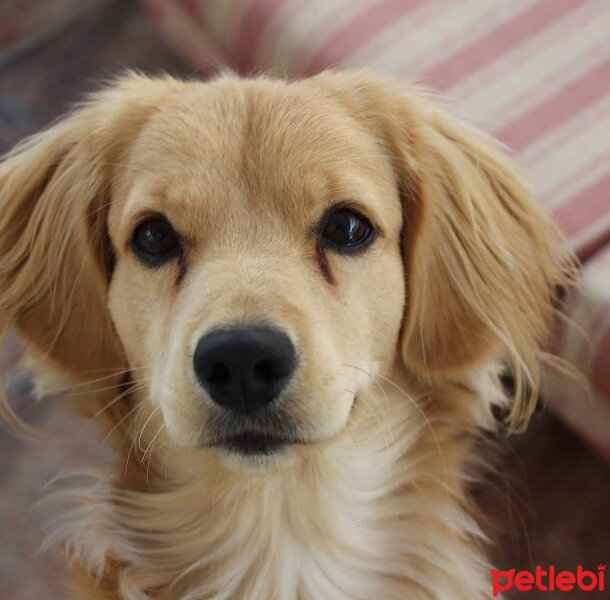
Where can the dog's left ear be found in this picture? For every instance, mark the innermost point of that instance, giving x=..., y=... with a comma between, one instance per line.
x=483, y=261
x=55, y=254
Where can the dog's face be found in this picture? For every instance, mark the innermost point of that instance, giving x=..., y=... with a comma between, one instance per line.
x=258, y=277
x=256, y=253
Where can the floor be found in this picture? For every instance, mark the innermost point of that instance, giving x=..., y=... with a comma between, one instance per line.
x=548, y=501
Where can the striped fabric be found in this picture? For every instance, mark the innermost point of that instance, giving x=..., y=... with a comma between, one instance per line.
x=535, y=73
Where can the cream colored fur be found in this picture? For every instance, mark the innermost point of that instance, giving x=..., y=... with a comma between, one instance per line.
x=379, y=512
x=400, y=347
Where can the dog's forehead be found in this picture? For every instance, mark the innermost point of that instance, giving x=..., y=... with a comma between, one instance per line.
x=235, y=145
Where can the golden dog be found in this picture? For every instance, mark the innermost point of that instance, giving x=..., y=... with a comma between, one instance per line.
x=289, y=303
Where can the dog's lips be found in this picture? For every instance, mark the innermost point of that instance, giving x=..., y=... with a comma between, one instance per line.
x=251, y=443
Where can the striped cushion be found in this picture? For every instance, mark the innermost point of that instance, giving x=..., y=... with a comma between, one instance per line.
x=535, y=73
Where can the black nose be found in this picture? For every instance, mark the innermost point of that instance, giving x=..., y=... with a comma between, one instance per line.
x=244, y=368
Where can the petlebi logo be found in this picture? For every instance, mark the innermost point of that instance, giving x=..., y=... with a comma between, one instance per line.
x=549, y=580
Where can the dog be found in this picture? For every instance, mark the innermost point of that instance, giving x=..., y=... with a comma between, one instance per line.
x=290, y=305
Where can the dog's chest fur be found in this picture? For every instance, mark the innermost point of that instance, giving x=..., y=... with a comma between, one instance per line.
x=376, y=514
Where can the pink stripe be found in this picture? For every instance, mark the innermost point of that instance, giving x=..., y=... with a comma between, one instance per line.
x=521, y=132
x=499, y=13
x=253, y=24
x=593, y=243
x=387, y=40
x=552, y=83
x=583, y=177
x=497, y=42
x=599, y=263
x=357, y=32
x=585, y=208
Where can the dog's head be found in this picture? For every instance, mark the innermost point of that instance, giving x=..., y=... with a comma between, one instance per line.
x=257, y=252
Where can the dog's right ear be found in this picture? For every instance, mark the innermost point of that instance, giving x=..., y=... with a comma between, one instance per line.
x=484, y=263
x=55, y=254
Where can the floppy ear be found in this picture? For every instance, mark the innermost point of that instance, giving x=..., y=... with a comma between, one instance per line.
x=55, y=255
x=483, y=261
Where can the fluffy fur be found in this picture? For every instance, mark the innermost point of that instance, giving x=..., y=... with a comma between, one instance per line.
x=401, y=347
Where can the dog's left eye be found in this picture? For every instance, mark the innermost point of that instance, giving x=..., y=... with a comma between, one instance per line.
x=346, y=229
x=155, y=241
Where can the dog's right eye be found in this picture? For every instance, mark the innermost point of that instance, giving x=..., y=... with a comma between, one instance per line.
x=155, y=241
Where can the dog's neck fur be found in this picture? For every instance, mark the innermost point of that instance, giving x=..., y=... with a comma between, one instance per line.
x=380, y=512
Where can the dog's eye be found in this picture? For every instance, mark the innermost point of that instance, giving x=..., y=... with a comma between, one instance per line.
x=345, y=230
x=155, y=241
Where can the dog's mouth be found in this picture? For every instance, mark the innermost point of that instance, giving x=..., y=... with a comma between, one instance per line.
x=252, y=443
x=264, y=433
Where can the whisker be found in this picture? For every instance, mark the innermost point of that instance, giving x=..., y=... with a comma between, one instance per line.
x=373, y=411
x=150, y=447
x=131, y=447
x=164, y=463
x=421, y=412
x=110, y=387
x=116, y=373
x=152, y=441
x=386, y=429
x=130, y=390
x=152, y=414
x=428, y=424
x=91, y=420
x=137, y=405
x=133, y=442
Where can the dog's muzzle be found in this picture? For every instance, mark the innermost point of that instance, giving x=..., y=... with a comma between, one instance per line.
x=244, y=370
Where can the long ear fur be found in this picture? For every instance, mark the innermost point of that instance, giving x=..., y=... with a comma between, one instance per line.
x=483, y=261
x=55, y=255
